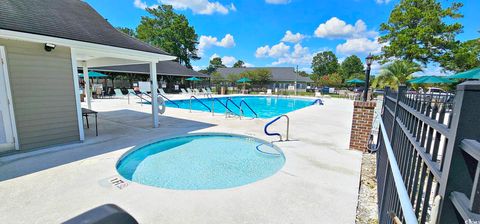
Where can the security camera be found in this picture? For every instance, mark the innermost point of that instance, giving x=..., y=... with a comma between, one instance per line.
x=49, y=47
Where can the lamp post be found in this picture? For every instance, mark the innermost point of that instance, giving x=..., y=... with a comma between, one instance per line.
x=368, y=60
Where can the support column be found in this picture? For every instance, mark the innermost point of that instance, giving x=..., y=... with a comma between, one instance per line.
x=88, y=91
x=363, y=114
x=76, y=87
x=154, y=85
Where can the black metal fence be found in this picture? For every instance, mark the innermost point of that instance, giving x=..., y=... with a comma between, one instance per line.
x=433, y=143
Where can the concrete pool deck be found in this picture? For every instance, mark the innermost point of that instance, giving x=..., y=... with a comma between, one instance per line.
x=318, y=183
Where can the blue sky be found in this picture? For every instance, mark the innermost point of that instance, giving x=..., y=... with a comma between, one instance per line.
x=279, y=32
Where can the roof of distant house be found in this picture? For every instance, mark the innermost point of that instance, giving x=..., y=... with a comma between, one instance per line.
x=279, y=74
x=163, y=68
x=66, y=19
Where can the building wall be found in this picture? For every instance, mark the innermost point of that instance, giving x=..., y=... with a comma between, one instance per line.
x=43, y=94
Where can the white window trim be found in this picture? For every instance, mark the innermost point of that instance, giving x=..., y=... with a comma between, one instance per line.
x=9, y=97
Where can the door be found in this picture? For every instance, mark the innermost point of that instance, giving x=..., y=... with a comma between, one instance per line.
x=7, y=136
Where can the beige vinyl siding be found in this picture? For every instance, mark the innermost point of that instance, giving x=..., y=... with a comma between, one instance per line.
x=43, y=94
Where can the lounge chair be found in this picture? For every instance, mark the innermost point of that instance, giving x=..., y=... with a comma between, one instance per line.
x=184, y=91
x=269, y=91
x=118, y=93
x=205, y=92
x=190, y=92
x=196, y=92
x=160, y=90
x=209, y=91
x=131, y=91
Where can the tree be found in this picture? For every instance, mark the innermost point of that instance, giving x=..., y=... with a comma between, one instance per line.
x=239, y=64
x=395, y=74
x=171, y=32
x=351, y=66
x=303, y=74
x=128, y=31
x=324, y=63
x=258, y=76
x=232, y=78
x=464, y=57
x=333, y=79
x=417, y=32
x=214, y=64
x=216, y=78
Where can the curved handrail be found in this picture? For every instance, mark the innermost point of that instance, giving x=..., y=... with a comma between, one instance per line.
x=230, y=100
x=216, y=99
x=320, y=102
x=273, y=121
x=241, y=111
x=176, y=104
x=269, y=153
x=210, y=110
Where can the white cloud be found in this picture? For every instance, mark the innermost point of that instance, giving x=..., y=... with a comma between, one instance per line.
x=276, y=51
x=359, y=45
x=292, y=38
x=337, y=28
x=204, y=7
x=229, y=60
x=143, y=5
x=206, y=42
x=382, y=1
x=248, y=65
x=277, y=2
x=233, y=8
x=300, y=56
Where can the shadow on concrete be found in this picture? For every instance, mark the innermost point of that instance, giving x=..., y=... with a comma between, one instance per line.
x=117, y=130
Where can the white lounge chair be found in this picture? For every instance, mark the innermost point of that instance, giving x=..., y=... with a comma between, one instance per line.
x=209, y=91
x=184, y=91
x=196, y=92
x=160, y=90
x=269, y=91
x=190, y=92
x=118, y=93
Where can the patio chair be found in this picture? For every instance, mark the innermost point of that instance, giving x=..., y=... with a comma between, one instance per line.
x=190, y=92
x=183, y=91
x=118, y=93
x=196, y=92
x=160, y=90
x=269, y=91
x=209, y=91
x=131, y=91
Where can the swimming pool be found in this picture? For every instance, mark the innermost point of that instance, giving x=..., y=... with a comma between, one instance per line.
x=200, y=162
x=264, y=106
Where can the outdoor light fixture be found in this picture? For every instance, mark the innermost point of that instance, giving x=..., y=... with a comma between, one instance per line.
x=49, y=47
x=369, y=61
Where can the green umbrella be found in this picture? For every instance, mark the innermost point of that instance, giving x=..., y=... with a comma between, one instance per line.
x=244, y=80
x=470, y=74
x=193, y=79
x=429, y=80
x=355, y=81
x=94, y=75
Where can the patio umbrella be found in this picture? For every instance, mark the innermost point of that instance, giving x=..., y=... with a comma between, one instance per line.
x=470, y=74
x=193, y=79
x=355, y=81
x=93, y=75
x=244, y=80
x=430, y=80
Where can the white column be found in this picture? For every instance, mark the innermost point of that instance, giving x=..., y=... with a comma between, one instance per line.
x=88, y=91
x=76, y=87
x=153, y=78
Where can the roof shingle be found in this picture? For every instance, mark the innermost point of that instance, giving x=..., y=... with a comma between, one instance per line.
x=67, y=19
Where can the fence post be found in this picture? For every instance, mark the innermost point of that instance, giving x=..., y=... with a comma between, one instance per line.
x=457, y=169
x=401, y=91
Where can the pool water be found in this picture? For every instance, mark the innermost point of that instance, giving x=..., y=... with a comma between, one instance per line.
x=264, y=106
x=200, y=162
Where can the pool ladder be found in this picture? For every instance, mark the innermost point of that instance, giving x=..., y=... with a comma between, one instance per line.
x=265, y=129
x=193, y=97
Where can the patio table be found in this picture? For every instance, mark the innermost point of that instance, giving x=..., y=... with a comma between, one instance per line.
x=86, y=113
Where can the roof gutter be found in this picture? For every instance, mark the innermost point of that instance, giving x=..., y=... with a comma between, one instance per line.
x=126, y=53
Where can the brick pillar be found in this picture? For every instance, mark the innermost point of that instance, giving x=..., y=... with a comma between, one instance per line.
x=363, y=113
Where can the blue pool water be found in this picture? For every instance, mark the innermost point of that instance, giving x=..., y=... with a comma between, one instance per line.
x=264, y=106
x=199, y=162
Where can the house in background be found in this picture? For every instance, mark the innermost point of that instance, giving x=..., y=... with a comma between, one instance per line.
x=283, y=78
x=42, y=42
x=170, y=73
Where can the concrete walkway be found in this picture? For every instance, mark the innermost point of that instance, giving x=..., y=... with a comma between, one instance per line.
x=318, y=184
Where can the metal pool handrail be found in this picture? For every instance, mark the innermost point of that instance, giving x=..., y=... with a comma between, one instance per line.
x=241, y=111
x=319, y=101
x=176, y=104
x=213, y=106
x=230, y=100
x=276, y=133
x=210, y=110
